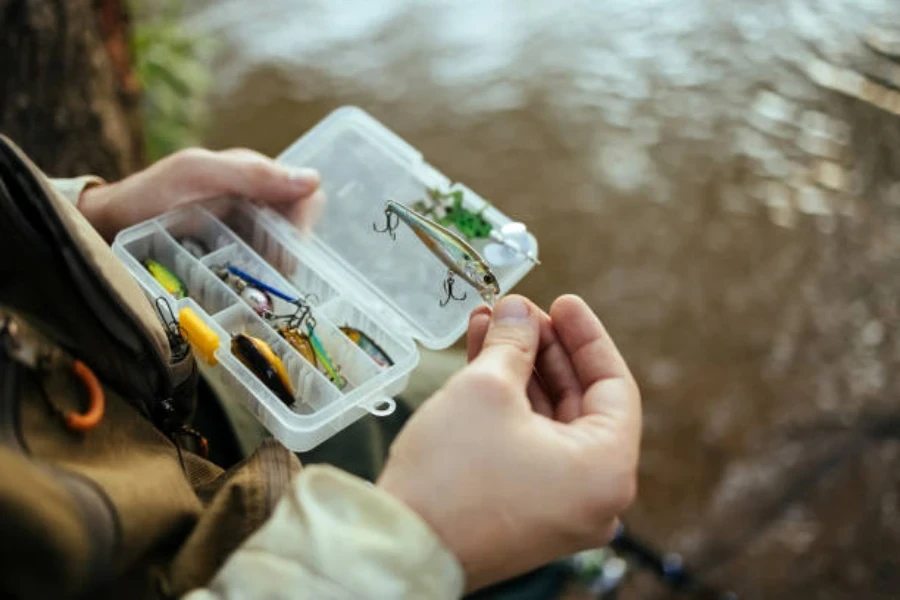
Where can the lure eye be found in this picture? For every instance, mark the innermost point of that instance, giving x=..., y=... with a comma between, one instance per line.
x=489, y=278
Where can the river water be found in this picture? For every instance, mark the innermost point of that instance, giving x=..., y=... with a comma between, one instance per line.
x=689, y=169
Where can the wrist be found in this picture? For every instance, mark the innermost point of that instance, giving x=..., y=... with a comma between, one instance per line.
x=427, y=508
x=94, y=204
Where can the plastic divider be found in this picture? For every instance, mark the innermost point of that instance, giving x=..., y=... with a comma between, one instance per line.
x=202, y=286
x=343, y=313
x=218, y=257
x=199, y=224
x=249, y=227
x=354, y=364
x=312, y=390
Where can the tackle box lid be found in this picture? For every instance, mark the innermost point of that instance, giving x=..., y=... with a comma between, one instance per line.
x=399, y=281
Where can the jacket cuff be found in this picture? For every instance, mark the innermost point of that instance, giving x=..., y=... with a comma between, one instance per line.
x=337, y=536
x=71, y=188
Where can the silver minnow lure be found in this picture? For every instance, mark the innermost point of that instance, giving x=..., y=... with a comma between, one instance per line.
x=451, y=249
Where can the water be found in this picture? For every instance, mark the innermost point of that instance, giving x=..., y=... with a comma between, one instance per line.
x=689, y=169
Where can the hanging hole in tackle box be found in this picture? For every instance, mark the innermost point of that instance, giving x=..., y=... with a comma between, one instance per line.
x=370, y=297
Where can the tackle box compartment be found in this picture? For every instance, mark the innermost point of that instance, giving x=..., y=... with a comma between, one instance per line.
x=350, y=275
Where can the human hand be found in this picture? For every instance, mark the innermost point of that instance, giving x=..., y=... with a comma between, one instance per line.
x=512, y=474
x=194, y=175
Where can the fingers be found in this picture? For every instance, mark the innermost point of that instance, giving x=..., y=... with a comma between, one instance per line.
x=540, y=401
x=479, y=321
x=258, y=177
x=594, y=355
x=305, y=213
x=555, y=391
x=558, y=377
x=478, y=326
x=511, y=342
x=200, y=174
x=610, y=390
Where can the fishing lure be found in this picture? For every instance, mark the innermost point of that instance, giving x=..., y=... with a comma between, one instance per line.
x=201, y=336
x=166, y=278
x=310, y=347
x=300, y=343
x=321, y=359
x=248, y=278
x=473, y=226
x=193, y=245
x=258, y=299
x=368, y=346
x=259, y=357
x=459, y=257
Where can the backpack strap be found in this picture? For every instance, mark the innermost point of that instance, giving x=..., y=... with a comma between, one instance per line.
x=66, y=278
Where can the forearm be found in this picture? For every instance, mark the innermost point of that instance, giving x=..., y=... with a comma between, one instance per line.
x=336, y=536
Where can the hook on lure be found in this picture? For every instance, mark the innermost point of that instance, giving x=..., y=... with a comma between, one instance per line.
x=307, y=343
x=457, y=255
x=448, y=290
x=390, y=226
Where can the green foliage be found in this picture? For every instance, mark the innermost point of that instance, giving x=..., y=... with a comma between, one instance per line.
x=171, y=64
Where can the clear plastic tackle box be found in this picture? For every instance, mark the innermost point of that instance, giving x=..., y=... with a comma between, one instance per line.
x=351, y=275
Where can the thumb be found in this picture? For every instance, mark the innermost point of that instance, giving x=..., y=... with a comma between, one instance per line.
x=511, y=343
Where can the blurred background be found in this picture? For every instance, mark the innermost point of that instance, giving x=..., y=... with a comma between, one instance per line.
x=719, y=180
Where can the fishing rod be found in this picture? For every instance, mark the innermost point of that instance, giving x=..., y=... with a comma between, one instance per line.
x=668, y=567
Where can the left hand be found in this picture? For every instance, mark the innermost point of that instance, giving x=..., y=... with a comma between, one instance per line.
x=194, y=175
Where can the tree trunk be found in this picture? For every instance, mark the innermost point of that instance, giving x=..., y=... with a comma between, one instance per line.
x=67, y=96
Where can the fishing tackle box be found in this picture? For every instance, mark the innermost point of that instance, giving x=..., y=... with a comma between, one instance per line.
x=351, y=274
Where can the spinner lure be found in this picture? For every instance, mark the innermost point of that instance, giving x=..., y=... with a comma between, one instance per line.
x=256, y=298
x=288, y=326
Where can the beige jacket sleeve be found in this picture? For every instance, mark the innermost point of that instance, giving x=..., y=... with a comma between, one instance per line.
x=71, y=188
x=336, y=536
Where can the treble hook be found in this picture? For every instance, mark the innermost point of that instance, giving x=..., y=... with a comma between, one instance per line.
x=295, y=319
x=390, y=226
x=448, y=289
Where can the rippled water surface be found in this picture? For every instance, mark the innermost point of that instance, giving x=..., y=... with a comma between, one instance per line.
x=721, y=183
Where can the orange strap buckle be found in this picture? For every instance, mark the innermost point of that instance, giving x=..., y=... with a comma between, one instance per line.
x=96, y=400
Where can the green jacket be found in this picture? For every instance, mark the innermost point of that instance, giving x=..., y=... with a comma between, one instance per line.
x=123, y=509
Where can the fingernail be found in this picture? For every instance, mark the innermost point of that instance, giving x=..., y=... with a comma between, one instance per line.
x=481, y=309
x=511, y=308
x=303, y=179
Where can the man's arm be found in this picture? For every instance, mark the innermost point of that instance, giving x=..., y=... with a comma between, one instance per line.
x=71, y=188
x=336, y=536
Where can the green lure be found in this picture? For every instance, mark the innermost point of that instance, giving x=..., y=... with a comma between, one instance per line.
x=324, y=360
x=469, y=223
x=472, y=225
x=166, y=278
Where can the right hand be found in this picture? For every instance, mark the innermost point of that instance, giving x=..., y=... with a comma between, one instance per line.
x=512, y=475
